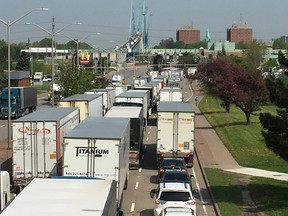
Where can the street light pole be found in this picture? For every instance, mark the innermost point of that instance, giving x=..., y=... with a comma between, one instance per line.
x=8, y=25
x=53, y=34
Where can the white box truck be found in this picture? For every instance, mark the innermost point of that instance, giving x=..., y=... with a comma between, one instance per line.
x=99, y=147
x=88, y=104
x=134, y=98
x=37, y=143
x=108, y=97
x=176, y=131
x=62, y=196
x=171, y=94
x=136, y=130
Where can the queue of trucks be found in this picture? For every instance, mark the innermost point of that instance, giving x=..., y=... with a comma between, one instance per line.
x=99, y=134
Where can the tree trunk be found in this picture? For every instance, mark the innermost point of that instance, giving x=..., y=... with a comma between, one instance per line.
x=248, y=119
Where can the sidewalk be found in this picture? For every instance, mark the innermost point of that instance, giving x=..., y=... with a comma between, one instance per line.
x=213, y=153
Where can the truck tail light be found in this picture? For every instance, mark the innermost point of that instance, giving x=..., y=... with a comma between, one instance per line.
x=157, y=201
x=191, y=202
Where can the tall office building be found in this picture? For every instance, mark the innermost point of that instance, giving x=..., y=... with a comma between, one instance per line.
x=188, y=34
x=239, y=32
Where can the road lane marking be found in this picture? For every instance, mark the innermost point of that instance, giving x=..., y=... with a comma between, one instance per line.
x=136, y=186
x=191, y=94
x=142, y=157
x=2, y=126
x=147, y=138
x=150, y=127
x=148, y=132
x=132, y=207
x=140, y=170
x=145, y=147
x=200, y=195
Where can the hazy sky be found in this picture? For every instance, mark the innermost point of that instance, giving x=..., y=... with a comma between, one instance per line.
x=111, y=18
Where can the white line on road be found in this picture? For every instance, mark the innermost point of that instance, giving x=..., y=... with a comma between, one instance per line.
x=148, y=132
x=147, y=138
x=200, y=195
x=142, y=157
x=150, y=127
x=140, y=170
x=136, y=186
x=191, y=94
x=2, y=126
x=132, y=207
x=145, y=147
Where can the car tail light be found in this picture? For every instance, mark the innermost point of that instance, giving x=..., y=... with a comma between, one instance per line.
x=161, y=170
x=191, y=202
x=157, y=201
x=188, y=155
x=183, y=169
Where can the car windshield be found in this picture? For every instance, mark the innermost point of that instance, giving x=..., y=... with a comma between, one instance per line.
x=174, y=177
x=172, y=162
x=175, y=196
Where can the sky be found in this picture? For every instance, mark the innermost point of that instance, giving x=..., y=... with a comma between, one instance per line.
x=105, y=23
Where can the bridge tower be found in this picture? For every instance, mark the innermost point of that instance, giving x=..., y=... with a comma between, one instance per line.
x=138, y=24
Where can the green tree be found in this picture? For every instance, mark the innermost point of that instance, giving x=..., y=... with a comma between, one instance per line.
x=255, y=54
x=76, y=81
x=279, y=43
x=23, y=62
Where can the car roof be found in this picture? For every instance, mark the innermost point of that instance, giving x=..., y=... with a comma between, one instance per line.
x=175, y=186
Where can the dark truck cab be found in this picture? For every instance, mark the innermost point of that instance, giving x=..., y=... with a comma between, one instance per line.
x=22, y=100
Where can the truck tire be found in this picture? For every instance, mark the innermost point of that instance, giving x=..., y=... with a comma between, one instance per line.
x=126, y=184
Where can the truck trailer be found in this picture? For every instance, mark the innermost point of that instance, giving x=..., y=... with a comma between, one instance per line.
x=136, y=130
x=134, y=98
x=108, y=97
x=37, y=143
x=22, y=100
x=59, y=197
x=171, y=94
x=88, y=104
x=175, y=132
x=5, y=195
x=99, y=147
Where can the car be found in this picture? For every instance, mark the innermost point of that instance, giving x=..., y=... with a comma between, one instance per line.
x=171, y=164
x=176, y=176
x=172, y=211
x=47, y=78
x=177, y=195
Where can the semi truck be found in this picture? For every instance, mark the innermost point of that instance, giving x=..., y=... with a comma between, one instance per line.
x=171, y=94
x=118, y=80
x=136, y=130
x=65, y=196
x=23, y=100
x=134, y=98
x=99, y=147
x=108, y=97
x=176, y=131
x=37, y=143
x=120, y=88
x=88, y=104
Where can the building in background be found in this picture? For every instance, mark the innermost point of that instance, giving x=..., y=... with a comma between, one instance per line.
x=239, y=32
x=188, y=34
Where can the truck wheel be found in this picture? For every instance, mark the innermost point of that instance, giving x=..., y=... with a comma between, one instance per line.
x=126, y=184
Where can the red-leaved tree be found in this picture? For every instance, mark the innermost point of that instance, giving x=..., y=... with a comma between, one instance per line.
x=233, y=84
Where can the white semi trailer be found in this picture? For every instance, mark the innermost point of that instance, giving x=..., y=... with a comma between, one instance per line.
x=176, y=131
x=37, y=143
x=99, y=147
x=64, y=196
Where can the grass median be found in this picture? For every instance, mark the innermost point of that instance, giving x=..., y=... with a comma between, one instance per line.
x=247, y=146
x=245, y=142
